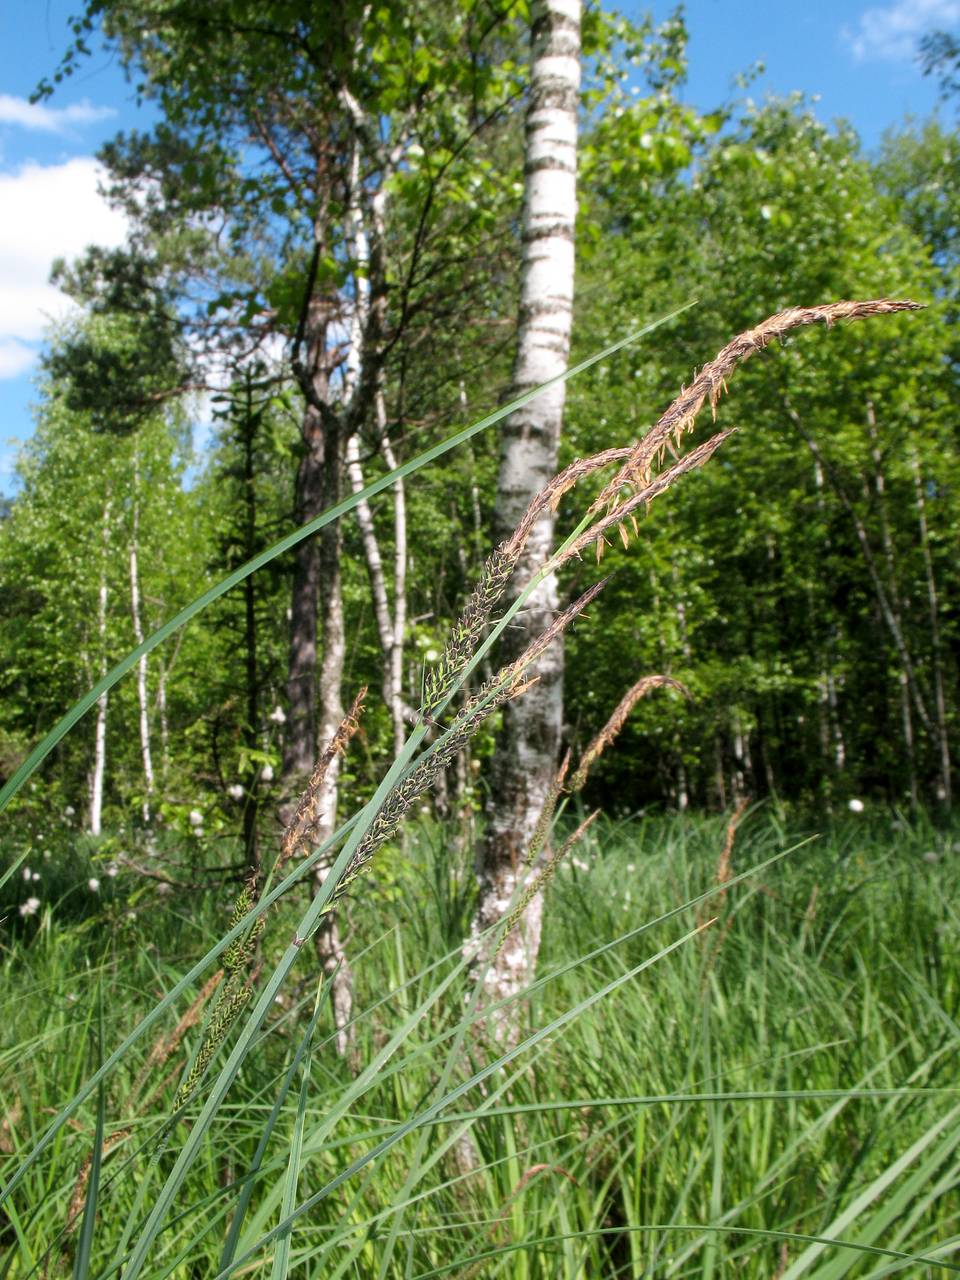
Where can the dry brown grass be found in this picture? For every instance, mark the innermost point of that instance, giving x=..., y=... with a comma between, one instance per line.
x=619, y=718
x=711, y=382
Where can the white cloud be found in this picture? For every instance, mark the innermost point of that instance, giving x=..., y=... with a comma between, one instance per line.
x=893, y=31
x=15, y=358
x=32, y=115
x=49, y=211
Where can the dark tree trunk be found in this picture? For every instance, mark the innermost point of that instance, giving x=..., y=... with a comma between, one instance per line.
x=300, y=743
x=316, y=704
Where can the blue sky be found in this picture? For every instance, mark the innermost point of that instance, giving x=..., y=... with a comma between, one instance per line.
x=858, y=56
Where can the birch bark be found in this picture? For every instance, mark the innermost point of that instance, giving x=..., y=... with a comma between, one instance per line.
x=528, y=746
x=391, y=623
x=944, y=790
x=100, y=733
x=145, y=752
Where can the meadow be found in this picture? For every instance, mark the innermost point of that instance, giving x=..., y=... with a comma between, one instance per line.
x=365, y=397
x=719, y=1090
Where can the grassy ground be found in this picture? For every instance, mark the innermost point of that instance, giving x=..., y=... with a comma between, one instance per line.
x=788, y=1073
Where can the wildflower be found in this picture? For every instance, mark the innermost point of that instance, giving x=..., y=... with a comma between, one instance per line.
x=131, y=915
x=580, y=864
x=196, y=818
x=93, y=884
x=931, y=856
x=235, y=791
x=266, y=773
x=432, y=655
x=855, y=805
x=35, y=876
x=69, y=811
x=26, y=873
x=631, y=866
x=30, y=907
x=278, y=715
x=112, y=870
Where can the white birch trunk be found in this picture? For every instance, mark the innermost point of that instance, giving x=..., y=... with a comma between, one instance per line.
x=397, y=705
x=371, y=549
x=148, y=776
x=944, y=790
x=830, y=702
x=164, y=722
x=893, y=590
x=100, y=732
x=337, y=448
x=528, y=747
x=390, y=625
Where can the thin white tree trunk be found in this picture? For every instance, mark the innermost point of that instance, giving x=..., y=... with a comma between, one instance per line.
x=100, y=732
x=391, y=624
x=338, y=444
x=371, y=549
x=528, y=746
x=148, y=776
x=683, y=633
x=829, y=699
x=933, y=605
x=397, y=704
x=328, y=942
x=164, y=672
x=880, y=489
x=164, y=721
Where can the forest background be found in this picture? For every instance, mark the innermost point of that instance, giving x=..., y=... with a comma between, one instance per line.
x=802, y=590
x=325, y=255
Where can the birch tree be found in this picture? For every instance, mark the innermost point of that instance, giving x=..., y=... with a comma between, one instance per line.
x=96, y=547
x=142, y=665
x=288, y=136
x=527, y=748
x=99, y=766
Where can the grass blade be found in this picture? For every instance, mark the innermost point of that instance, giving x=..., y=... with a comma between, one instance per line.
x=858, y=1207
x=281, y=1259
x=478, y=1077
x=81, y=1262
x=233, y=1236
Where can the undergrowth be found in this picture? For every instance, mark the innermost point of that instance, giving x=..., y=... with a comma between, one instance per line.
x=757, y=1086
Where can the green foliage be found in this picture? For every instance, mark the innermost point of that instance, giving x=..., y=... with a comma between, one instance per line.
x=940, y=54
x=780, y=1076
x=69, y=536
x=128, y=357
x=792, y=1065
x=751, y=584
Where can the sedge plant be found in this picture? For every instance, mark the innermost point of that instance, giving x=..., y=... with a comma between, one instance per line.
x=153, y=1242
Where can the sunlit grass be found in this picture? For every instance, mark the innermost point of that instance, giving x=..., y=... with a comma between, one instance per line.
x=763, y=1086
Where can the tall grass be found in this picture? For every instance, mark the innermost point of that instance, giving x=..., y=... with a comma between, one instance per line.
x=589, y=1160
x=715, y=1112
